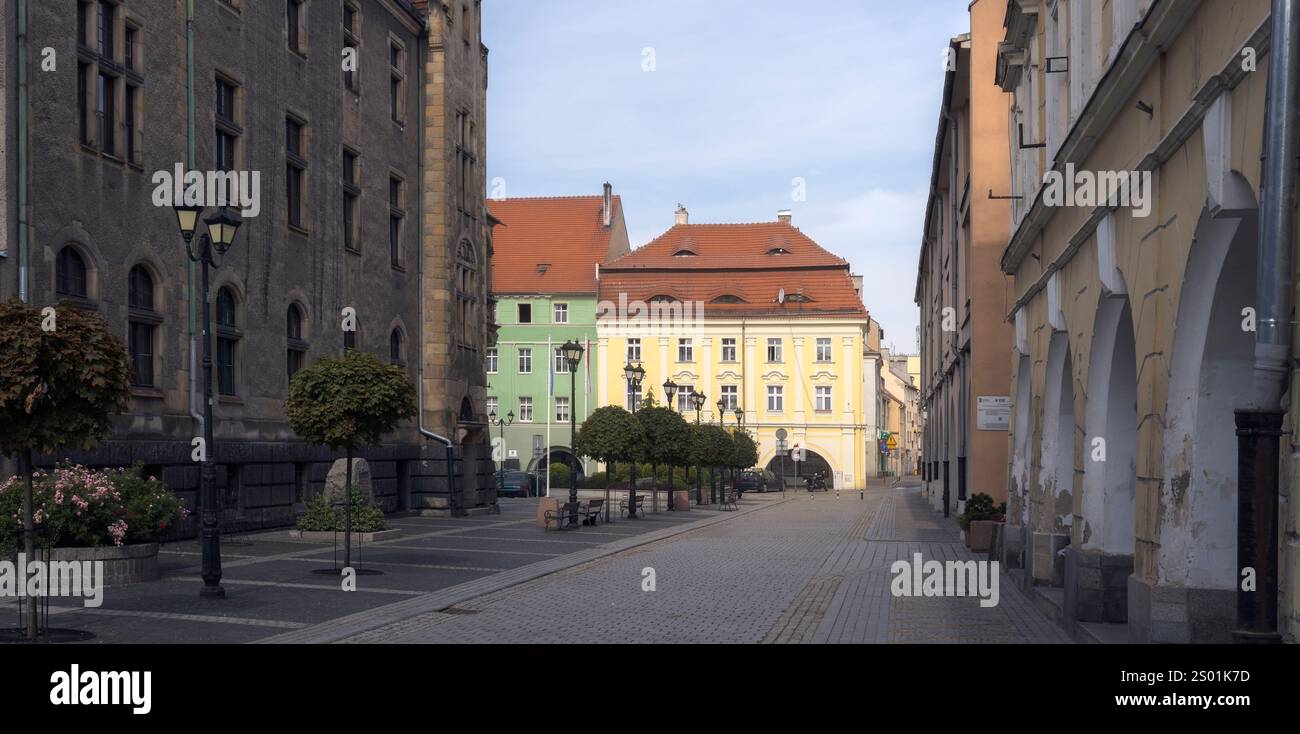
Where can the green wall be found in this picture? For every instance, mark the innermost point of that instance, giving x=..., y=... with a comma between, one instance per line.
x=508, y=385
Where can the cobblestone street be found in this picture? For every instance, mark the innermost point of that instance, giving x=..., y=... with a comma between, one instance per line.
x=812, y=568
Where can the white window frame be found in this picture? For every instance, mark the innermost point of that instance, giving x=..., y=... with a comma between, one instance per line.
x=492, y=361
x=525, y=410
x=823, y=395
x=685, y=350
x=728, y=349
x=825, y=341
x=775, y=350
x=525, y=360
x=562, y=409
x=775, y=399
x=730, y=395
x=633, y=350
x=560, y=313
x=684, y=405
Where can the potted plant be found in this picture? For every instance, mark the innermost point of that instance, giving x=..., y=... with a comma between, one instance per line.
x=978, y=521
x=116, y=516
x=323, y=518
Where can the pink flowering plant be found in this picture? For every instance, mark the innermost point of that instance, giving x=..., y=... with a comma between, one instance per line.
x=74, y=506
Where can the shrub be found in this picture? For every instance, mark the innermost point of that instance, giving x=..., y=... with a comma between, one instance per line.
x=324, y=516
x=559, y=475
x=73, y=506
x=980, y=507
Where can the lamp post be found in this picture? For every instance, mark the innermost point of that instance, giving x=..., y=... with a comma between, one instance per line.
x=633, y=375
x=670, y=390
x=501, y=423
x=572, y=352
x=722, y=421
x=208, y=251
x=697, y=400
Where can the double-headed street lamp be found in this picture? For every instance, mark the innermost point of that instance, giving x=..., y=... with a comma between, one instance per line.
x=208, y=251
x=501, y=423
x=572, y=352
x=697, y=402
x=670, y=390
x=634, y=374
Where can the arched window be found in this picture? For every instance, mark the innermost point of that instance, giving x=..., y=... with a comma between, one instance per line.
x=728, y=298
x=297, y=347
x=467, y=295
x=142, y=325
x=395, y=347
x=228, y=336
x=70, y=273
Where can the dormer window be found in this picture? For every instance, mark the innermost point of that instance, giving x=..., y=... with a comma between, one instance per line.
x=728, y=298
x=797, y=298
x=778, y=251
x=662, y=299
x=684, y=253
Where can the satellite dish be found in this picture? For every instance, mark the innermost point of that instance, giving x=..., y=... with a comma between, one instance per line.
x=780, y=296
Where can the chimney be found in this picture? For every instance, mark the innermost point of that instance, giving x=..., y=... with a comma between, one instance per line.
x=607, y=212
x=682, y=216
x=783, y=216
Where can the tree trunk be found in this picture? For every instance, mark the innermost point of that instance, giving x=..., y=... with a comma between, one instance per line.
x=29, y=541
x=347, y=515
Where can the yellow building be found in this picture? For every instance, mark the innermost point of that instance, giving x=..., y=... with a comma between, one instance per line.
x=757, y=316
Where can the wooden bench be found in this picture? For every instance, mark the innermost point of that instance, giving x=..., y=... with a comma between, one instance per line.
x=591, y=514
x=566, y=518
x=640, y=505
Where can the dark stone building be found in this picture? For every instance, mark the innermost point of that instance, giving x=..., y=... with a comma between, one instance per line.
x=358, y=207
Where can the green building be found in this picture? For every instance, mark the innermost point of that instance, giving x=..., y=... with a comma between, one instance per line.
x=546, y=257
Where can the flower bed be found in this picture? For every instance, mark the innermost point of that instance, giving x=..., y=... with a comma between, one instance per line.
x=77, y=507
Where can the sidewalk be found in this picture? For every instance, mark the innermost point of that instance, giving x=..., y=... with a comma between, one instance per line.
x=271, y=590
x=812, y=569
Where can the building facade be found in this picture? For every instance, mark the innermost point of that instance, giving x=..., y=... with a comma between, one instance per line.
x=546, y=252
x=962, y=294
x=755, y=315
x=338, y=163
x=1143, y=384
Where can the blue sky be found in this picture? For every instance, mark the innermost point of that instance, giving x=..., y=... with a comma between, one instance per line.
x=744, y=98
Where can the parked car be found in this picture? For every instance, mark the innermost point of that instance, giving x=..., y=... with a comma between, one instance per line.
x=759, y=480
x=517, y=484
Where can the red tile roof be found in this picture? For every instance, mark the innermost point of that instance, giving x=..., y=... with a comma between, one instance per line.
x=736, y=269
x=549, y=244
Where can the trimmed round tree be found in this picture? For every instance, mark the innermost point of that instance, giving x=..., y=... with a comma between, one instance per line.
x=610, y=434
x=63, y=375
x=715, y=449
x=744, y=452
x=667, y=440
x=347, y=403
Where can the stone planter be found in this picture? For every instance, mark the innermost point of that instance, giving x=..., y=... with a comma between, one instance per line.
x=681, y=500
x=329, y=536
x=544, y=504
x=127, y=564
x=979, y=536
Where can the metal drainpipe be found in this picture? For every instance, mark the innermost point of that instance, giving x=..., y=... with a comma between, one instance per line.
x=196, y=412
x=952, y=287
x=419, y=278
x=22, y=151
x=1259, y=426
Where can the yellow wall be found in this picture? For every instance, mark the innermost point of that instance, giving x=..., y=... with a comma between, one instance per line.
x=838, y=434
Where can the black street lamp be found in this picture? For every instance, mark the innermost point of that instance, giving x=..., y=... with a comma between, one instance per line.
x=209, y=251
x=572, y=352
x=670, y=390
x=501, y=423
x=633, y=374
x=722, y=421
x=697, y=401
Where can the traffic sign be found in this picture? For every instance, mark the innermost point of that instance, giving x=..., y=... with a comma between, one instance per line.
x=892, y=442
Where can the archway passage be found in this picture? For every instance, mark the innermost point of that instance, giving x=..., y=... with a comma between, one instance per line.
x=1211, y=374
x=798, y=475
x=1097, y=570
x=1110, y=456
x=1052, y=510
